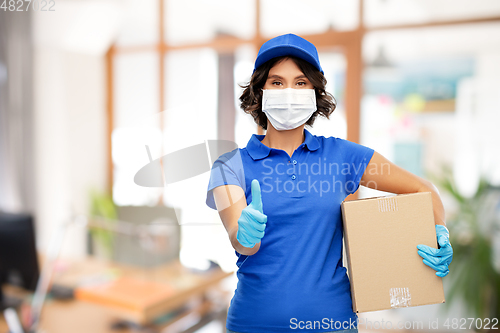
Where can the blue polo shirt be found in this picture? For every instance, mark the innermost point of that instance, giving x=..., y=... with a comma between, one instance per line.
x=296, y=281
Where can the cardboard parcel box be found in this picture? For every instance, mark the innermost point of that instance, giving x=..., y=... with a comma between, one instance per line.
x=381, y=237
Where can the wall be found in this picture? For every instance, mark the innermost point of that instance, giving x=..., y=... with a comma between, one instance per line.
x=69, y=114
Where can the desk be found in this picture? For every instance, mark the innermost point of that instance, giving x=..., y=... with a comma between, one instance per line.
x=196, y=293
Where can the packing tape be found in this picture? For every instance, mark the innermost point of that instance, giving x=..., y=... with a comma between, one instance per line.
x=400, y=297
x=388, y=205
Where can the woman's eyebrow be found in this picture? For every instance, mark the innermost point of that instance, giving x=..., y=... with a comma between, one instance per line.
x=275, y=76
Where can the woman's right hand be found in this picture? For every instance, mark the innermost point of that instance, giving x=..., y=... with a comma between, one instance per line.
x=252, y=221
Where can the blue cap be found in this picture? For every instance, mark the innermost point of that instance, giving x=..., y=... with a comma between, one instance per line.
x=285, y=45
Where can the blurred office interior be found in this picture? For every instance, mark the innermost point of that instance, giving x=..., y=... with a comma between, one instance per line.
x=93, y=91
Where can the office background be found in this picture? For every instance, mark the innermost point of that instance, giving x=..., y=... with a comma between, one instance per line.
x=86, y=87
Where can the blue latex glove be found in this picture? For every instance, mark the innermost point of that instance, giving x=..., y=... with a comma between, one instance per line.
x=252, y=221
x=438, y=259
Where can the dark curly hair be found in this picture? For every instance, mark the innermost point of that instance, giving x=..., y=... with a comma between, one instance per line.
x=251, y=98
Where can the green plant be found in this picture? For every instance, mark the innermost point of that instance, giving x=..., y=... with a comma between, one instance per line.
x=103, y=206
x=473, y=224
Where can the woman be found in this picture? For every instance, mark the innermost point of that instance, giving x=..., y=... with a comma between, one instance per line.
x=279, y=200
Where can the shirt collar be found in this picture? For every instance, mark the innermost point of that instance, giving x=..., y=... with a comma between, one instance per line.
x=258, y=150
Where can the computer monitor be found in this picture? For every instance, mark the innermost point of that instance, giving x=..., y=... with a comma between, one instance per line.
x=1, y=292
x=18, y=255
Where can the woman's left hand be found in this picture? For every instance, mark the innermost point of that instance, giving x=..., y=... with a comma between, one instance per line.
x=438, y=259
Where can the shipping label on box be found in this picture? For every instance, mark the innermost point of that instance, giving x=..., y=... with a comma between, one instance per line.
x=381, y=237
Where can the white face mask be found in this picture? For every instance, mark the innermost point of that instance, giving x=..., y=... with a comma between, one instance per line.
x=288, y=108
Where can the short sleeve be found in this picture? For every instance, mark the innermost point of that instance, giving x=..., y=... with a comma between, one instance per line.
x=226, y=170
x=355, y=160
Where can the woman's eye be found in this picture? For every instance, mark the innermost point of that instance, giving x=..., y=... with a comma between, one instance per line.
x=277, y=83
x=301, y=83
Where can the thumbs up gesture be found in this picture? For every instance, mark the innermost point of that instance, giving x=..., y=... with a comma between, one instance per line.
x=252, y=221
